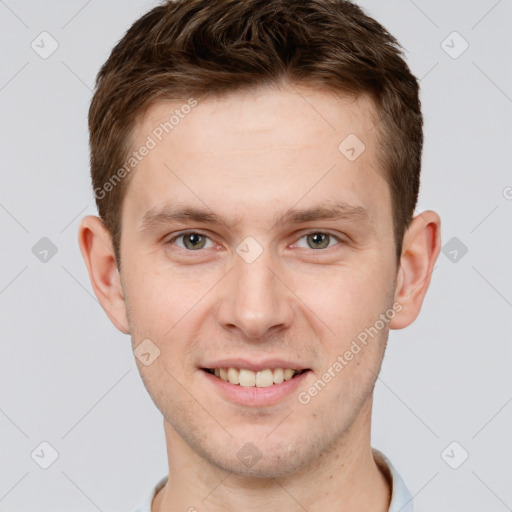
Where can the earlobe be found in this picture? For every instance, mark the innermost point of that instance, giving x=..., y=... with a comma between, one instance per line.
x=420, y=249
x=97, y=250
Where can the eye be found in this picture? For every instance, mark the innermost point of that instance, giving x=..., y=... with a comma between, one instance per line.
x=319, y=240
x=192, y=241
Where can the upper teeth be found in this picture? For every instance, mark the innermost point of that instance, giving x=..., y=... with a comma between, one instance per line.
x=260, y=379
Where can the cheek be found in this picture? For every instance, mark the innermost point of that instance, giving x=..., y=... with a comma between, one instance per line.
x=159, y=300
x=346, y=299
x=164, y=308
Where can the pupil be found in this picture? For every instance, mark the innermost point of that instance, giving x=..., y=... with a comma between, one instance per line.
x=319, y=240
x=193, y=240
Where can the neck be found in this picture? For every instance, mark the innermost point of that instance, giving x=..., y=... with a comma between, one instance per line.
x=345, y=477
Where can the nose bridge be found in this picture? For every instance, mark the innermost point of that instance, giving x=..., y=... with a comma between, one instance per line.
x=254, y=299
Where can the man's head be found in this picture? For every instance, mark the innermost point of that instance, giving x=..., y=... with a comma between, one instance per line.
x=199, y=49
x=262, y=227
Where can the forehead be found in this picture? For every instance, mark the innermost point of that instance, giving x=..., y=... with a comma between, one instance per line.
x=255, y=150
x=267, y=114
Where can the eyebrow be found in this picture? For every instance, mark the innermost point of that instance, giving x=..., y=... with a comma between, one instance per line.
x=170, y=213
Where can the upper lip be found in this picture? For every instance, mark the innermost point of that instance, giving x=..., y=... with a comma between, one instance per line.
x=254, y=365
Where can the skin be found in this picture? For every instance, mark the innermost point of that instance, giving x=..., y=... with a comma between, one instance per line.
x=249, y=157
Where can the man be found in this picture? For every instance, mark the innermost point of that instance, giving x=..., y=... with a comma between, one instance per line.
x=256, y=167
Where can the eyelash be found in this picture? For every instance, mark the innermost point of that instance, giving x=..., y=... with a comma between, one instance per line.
x=185, y=233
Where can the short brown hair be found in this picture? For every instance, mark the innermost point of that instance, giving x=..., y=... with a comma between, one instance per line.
x=198, y=48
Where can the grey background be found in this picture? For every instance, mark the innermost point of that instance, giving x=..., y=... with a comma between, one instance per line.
x=68, y=377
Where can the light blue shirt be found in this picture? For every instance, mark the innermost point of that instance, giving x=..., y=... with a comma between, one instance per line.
x=401, y=498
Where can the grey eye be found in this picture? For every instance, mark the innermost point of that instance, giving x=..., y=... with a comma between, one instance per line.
x=318, y=240
x=192, y=241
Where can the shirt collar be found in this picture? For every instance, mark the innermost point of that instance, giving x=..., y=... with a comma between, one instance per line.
x=401, y=498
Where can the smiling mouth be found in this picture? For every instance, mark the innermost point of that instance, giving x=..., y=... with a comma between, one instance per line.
x=248, y=378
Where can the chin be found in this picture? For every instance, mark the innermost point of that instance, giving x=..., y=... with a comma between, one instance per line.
x=265, y=458
x=276, y=465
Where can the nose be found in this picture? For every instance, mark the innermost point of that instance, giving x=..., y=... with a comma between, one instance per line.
x=255, y=298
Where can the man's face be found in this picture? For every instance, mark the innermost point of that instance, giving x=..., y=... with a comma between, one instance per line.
x=257, y=290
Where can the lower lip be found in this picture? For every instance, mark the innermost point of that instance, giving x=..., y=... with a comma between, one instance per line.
x=254, y=396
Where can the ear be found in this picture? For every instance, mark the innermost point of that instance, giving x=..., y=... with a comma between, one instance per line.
x=420, y=249
x=98, y=253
